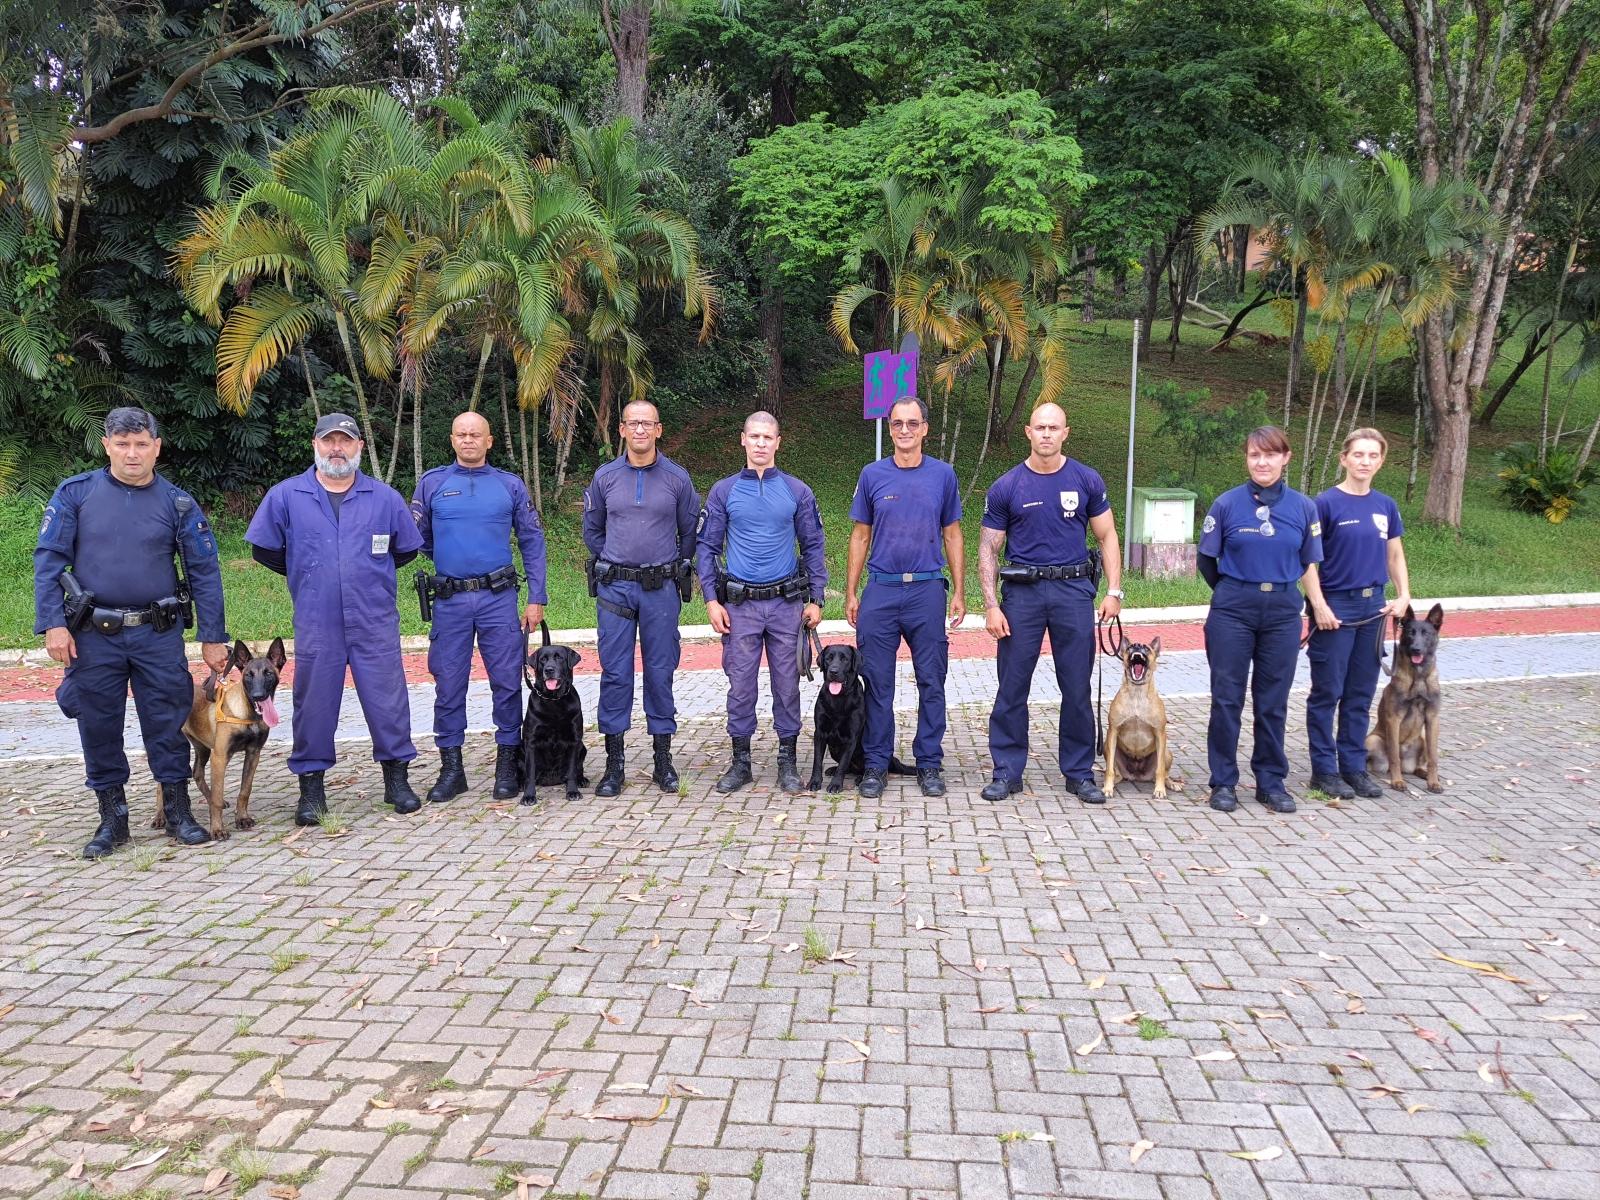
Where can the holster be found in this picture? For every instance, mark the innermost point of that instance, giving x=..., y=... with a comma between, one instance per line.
x=424, y=585
x=1098, y=560
x=185, y=604
x=590, y=576
x=77, y=603
x=684, y=577
x=1017, y=573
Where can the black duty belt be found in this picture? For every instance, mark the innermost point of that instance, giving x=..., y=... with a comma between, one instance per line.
x=649, y=577
x=495, y=581
x=1025, y=573
x=796, y=587
x=163, y=614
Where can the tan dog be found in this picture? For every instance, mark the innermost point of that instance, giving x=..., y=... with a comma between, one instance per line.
x=1136, y=728
x=1405, y=737
x=229, y=718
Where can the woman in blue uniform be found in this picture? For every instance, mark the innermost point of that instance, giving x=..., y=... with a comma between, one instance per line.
x=1362, y=552
x=1258, y=540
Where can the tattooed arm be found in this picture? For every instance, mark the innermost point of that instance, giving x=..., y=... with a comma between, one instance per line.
x=990, y=541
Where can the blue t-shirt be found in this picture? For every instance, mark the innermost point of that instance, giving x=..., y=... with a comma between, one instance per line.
x=1262, y=535
x=908, y=509
x=1355, y=538
x=1046, y=517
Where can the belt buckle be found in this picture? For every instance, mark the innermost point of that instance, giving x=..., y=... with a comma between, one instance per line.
x=908, y=577
x=1266, y=587
x=132, y=618
x=1366, y=592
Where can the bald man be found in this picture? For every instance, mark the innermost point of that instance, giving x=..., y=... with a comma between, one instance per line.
x=1041, y=513
x=467, y=513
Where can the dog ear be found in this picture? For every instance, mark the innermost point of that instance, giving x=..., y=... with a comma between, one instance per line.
x=1408, y=615
x=276, y=654
x=1155, y=646
x=1435, y=615
x=241, y=655
x=855, y=660
x=571, y=655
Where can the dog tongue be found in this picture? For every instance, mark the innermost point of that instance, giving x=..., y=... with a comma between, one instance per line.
x=551, y=685
x=835, y=688
x=1416, y=660
x=269, y=712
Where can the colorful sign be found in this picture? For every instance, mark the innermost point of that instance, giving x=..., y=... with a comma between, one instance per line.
x=887, y=377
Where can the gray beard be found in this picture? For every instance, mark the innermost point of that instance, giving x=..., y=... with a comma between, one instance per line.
x=334, y=471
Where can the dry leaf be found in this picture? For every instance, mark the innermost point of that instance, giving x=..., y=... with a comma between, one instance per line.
x=1416, y=1108
x=277, y=1084
x=861, y=1048
x=612, y=1018
x=1484, y=1073
x=137, y=1073
x=1217, y=987
x=1488, y=969
x=138, y=1123
x=988, y=1009
x=629, y=1087
x=1127, y=1018
x=1568, y=1018
x=154, y=1156
x=1264, y=1155
x=75, y=1171
x=1099, y=981
x=1355, y=1005
x=6, y=1010
x=1091, y=1047
x=1215, y=1056
x=1137, y=1151
x=780, y=818
x=791, y=947
x=377, y=1103
x=284, y=1191
x=1068, y=957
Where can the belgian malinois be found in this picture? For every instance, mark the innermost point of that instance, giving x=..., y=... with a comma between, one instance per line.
x=1405, y=738
x=1136, y=727
x=229, y=718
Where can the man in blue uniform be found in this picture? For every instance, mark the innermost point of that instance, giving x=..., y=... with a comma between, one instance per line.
x=1042, y=511
x=467, y=513
x=904, y=507
x=109, y=600
x=639, y=515
x=763, y=592
x=338, y=535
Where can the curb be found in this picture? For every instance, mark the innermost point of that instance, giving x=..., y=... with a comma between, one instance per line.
x=973, y=622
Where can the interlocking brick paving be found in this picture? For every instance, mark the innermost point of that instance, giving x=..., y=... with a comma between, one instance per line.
x=760, y=997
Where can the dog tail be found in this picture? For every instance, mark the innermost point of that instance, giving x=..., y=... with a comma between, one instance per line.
x=896, y=767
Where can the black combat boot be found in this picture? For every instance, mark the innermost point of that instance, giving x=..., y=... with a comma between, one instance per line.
x=611, y=782
x=180, y=821
x=738, y=773
x=452, y=779
x=397, y=789
x=507, y=771
x=788, y=773
x=313, y=804
x=665, y=774
x=113, y=831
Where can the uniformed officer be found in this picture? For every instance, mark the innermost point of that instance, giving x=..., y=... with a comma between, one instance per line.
x=639, y=515
x=1257, y=540
x=467, y=513
x=338, y=535
x=1362, y=551
x=1042, y=511
x=764, y=591
x=904, y=507
x=108, y=541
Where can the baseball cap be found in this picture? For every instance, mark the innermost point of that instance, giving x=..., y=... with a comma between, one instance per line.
x=338, y=423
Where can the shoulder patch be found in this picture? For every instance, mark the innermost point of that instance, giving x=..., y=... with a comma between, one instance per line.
x=1316, y=529
x=49, y=516
x=1209, y=524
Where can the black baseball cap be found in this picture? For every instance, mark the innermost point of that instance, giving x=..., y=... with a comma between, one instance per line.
x=338, y=423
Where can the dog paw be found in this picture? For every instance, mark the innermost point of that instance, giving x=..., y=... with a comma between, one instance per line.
x=1436, y=787
x=160, y=821
x=1156, y=793
x=244, y=822
x=1398, y=785
x=219, y=833
x=530, y=800
x=574, y=794
x=836, y=786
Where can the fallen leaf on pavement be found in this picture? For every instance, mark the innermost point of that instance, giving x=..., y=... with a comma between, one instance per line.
x=1090, y=1047
x=1355, y=1005
x=1127, y=1018
x=991, y=1008
x=75, y=1171
x=1138, y=1150
x=137, y=1073
x=1488, y=969
x=1568, y=1018
x=1099, y=981
x=1215, y=1056
x=861, y=1048
x=285, y=1191
x=154, y=1156
x=1485, y=1073
x=277, y=1084
x=1266, y=1154
x=377, y=1103
x=1416, y=1108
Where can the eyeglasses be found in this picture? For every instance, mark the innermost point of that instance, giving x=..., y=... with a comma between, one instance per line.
x=906, y=426
x=640, y=424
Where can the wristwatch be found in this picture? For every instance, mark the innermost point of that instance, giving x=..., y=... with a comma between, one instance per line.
x=1115, y=594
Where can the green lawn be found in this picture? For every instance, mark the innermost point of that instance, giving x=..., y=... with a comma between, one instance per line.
x=1497, y=552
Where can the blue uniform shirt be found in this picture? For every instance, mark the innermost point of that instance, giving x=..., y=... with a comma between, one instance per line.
x=758, y=520
x=1262, y=535
x=908, y=509
x=1046, y=517
x=640, y=516
x=1355, y=539
x=467, y=516
x=121, y=542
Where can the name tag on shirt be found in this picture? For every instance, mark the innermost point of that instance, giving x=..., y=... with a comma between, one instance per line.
x=380, y=544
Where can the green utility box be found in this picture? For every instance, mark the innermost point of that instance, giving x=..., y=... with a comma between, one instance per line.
x=1161, y=533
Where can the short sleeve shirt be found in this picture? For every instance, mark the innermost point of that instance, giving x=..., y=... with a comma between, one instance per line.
x=1259, y=538
x=1046, y=517
x=908, y=509
x=1356, y=531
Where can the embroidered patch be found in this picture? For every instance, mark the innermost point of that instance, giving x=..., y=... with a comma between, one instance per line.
x=1316, y=529
x=49, y=515
x=1069, y=504
x=1381, y=520
x=1209, y=524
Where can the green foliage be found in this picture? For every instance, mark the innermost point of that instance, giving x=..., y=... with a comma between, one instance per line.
x=1196, y=425
x=1554, y=490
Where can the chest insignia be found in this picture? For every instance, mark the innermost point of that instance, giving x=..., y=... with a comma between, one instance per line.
x=1069, y=504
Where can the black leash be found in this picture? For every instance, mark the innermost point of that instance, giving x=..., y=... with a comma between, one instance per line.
x=544, y=631
x=1311, y=627
x=809, y=649
x=1110, y=647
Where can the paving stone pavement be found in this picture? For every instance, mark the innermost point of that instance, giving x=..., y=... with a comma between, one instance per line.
x=761, y=997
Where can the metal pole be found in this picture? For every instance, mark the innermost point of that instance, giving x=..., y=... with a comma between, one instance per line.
x=1133, y=409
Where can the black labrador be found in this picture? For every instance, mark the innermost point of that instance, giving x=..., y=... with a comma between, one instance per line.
x=840, y=719
x=552, y=732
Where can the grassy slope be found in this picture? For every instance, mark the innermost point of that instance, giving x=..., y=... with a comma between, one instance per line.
x=826, y=443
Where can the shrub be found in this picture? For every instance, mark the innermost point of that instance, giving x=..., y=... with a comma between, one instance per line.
x=1553, y=490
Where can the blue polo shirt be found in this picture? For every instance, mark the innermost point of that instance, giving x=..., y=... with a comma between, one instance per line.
x=467, y=517
x=1356, y=531
x=1262, y=535
x=908, y=509
x=1046, y=517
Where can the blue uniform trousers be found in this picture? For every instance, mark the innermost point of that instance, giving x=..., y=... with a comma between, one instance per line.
x=915, y=612
x=656, y=628
x=1248, y=628
x=1066, y=608
x=95, y=692
x=497, y=623
x=373, y=658
x=772, y=625
x=1344, y=678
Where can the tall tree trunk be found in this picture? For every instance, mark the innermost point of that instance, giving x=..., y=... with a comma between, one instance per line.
x=627, y=29
x=477, y=380
x=1029, y=374
x=416, y=430
x=1531, y=350
x=343, y=325
x=1180, y=280
x=996, y=372
x=1588, y=445
x=311, y=388
x=882, y=308
x=772, y=334
x=604, y=419
x=1297, y=345
x=1261, y=297
x=1119, y=282
x=1241, y=254
x=531, y=476
x=1086, y=313
x=1416, y=426
x=944, y=419
x=505, y=423
x=1550, y=352
x=399, y=434
x=1154, y=266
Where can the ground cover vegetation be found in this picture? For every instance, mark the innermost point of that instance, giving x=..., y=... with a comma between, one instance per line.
x=243, y=215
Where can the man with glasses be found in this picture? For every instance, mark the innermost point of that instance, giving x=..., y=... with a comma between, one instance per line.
x=639, y=517
x=904, y=507
x=1042, y=512
x=760, y=594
